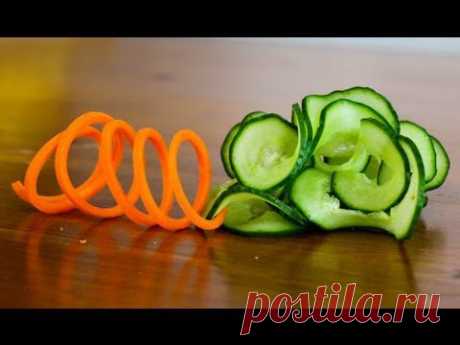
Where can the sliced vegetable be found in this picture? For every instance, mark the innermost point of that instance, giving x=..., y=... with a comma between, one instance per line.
x=355, y=190
x=442, y=165
x=311, y=194
x=267, y=150
x=351, y=163
x=255, y=217
x=372, y=168
x=423, y=141
x=255, y=213
x=313, y=105
x=225, y=148
x=342, y=117
x=297, y=113
x=330, y=161
x=337, y=136
x=105, y=174
x=216, y=192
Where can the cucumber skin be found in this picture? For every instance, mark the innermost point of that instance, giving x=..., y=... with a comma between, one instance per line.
x=285, y=210
x=304, y=151
x=422, y=200
x=392, y=135
x=280, y=233
x=432, y=146
x=420, y=204
x=367, y=164
x=295, y=113
x=306, y=147
x=322, y=119
x=439, y=184
x=362, y=88
x=229, y=139
x=227, y=142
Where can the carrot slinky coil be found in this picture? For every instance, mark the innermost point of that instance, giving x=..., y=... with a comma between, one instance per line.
x=110, y=141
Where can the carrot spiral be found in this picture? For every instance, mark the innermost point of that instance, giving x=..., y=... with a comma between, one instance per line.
x=110, y=141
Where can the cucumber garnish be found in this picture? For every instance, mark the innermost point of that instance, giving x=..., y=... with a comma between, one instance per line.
x=345, y=160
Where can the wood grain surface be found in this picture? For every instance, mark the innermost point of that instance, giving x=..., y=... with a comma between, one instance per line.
x=74, y=260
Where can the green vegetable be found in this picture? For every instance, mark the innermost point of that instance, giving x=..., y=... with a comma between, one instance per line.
x=355, y=190
x=255, y=213
x=314, y=104
x=267, y=150
x=442, y=165
x=424, y=144
x=311, y=194
x=225, y=148
x=345, y=160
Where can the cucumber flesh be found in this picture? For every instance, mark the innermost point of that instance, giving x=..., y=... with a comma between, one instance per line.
x=267, y=150
x=313, y=105
x=442, y=165
x=297, y=114
x=255, y=217
x=311, y=193
x=216, y=192
x=372, y=168
x=342, y=117
x=404, y=216
x=424, y=144
x=344, y=160
x=264, y=152
x=355, y=190
x=357, y=162
x=225, y=148
x=338, y=133
x=255, y=213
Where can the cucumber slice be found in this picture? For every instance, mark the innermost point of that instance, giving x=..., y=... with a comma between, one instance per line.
x=225, y=148
x=338, y=133
x=442, y=165
x=337, y=160
x=385, y=173
x=404, y=216
x=255, y=217
x=252, y=212
x=253, y=115
x=216, y=192
x=266, y=151
x=423, y=141
x=313, y=105
x=310, y=192
x=357, y=162
x=342, y=118
x=297, y=113
x=355, y=190
x=372, y=168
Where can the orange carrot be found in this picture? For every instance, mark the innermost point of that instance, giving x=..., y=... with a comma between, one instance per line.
x=110, y=143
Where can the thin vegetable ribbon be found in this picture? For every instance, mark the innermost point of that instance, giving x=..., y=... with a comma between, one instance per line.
x=110, y=142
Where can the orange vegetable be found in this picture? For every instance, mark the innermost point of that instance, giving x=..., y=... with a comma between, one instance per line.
x=105, y=173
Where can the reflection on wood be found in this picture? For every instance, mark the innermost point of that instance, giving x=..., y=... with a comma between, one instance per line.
x=103, y=282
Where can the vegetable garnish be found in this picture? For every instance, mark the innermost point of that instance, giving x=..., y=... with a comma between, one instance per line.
x=344, y=161
x=110, y=141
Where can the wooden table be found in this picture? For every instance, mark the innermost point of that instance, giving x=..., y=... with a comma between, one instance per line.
x=74, y=260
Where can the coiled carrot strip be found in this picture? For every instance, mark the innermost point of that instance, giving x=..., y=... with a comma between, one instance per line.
x=110, y=143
